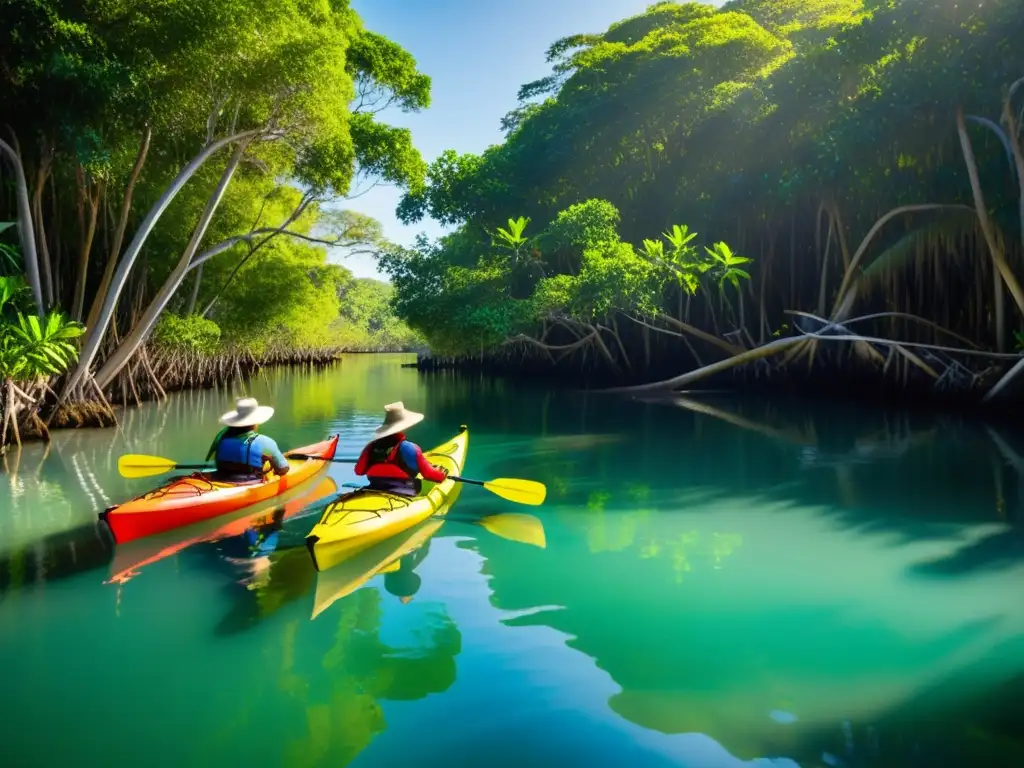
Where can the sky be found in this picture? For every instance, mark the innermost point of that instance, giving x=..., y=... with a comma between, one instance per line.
x=478, y=53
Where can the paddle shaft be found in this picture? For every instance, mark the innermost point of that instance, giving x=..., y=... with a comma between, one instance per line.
x=510, y=489
x=319, y=458
x=353, y=461
x=466, y=480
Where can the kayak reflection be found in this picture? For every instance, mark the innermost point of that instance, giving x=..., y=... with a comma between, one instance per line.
x=396, y=557
x=129, y=559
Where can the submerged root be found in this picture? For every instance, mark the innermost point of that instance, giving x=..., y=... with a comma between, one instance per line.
x=83, y=413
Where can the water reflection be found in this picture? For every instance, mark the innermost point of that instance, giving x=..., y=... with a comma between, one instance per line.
x=766, y=614
x=242, y=527
x=342, y=696
x=397, y=558
x=711, y=581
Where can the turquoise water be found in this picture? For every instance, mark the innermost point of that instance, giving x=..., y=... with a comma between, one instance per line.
x=750, y=585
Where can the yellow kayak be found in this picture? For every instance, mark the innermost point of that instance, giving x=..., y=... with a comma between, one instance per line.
x=365, y=517
x=346, y=577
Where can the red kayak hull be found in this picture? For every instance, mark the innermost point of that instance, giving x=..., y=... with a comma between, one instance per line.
x=192, y=499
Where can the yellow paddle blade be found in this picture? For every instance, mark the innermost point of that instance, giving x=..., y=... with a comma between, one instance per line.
x=520, y=491
x=525, y=529
x=137, y=465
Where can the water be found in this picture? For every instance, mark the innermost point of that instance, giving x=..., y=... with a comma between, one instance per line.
x=746, y=586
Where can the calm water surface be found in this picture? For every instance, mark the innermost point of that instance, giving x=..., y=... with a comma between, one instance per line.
x=723, y=584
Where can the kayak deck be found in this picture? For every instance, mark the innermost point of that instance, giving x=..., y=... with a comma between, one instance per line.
x=200, y=496
x=364, y=517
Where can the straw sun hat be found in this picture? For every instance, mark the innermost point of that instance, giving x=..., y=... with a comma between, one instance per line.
x=247, y=413
x=396, y=419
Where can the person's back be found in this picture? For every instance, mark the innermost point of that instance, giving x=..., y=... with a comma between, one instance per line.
x=239, y=450
x=391, y=462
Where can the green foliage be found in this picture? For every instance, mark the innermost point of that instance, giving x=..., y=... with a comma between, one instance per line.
x=385, y=72
x=726, y=264
x=513, y=238
x=30, y=347
x=584, y=225
x=779, y=125
x=462, y=306
x=369, y=320
x=191, y=333
x=10, y=258
x=81, y=82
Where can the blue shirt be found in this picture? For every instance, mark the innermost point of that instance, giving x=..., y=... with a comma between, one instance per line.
x=238, y=449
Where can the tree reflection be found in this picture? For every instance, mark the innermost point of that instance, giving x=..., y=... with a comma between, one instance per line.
x=714, y=605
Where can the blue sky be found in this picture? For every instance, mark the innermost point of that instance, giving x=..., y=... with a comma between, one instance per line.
x=478, y=53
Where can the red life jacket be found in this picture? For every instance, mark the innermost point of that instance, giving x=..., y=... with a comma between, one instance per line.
x=386, y=461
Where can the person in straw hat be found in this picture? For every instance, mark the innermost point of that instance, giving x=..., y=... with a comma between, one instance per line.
x=239, y=450
x=391, y=462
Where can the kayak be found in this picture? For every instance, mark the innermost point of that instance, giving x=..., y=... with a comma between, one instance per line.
x=197, y=497
x=346, y=577
x=361, y=519
x=130, y=559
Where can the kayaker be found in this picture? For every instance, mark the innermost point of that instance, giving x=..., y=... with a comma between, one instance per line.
x=390, y=461
x=240, y=452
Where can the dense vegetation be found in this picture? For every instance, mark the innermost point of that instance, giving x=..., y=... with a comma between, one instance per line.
x=194, y=159
x=859, y=160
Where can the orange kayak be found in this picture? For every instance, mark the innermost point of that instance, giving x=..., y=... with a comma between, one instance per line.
x=129, y=560
x=197, y=497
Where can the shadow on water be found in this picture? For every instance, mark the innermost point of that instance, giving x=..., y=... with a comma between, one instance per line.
x=55, y=557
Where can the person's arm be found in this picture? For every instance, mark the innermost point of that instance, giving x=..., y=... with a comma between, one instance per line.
x=364, y=459
x=413, y=456
x=268, y=448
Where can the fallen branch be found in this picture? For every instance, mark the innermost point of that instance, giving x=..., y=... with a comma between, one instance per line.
x=758, y=353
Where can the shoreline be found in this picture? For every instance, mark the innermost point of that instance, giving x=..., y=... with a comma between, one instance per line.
x=156, y=374
x=833, y=385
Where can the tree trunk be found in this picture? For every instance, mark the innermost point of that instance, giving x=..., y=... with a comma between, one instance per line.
x=141, y=331
x=1015, y=149
x=42, y=176
x=988, y=230
x=122, y=225
x=193, y=297
x=848, y=288
x=26, y=232
x=96, y=333
x=82, y=276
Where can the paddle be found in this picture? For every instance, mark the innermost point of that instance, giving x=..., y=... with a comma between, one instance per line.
x=138, y=465
x=318, y=458
x=509, y=488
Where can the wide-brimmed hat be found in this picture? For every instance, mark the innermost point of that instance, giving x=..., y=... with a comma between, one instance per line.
x=396, y=419
x=247, y=413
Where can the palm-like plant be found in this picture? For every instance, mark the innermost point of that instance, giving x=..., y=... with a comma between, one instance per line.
x=31, y=351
